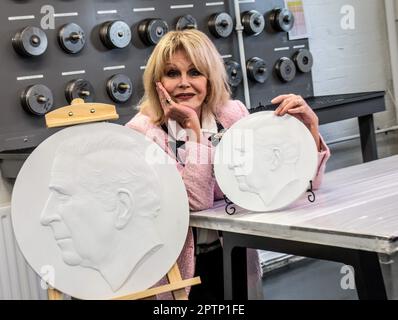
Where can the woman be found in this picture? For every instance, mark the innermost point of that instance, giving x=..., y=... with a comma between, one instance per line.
x=186, y=101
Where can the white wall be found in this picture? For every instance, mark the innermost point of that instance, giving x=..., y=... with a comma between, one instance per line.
x=5, y=191
x=349, y=61
x=17, y=279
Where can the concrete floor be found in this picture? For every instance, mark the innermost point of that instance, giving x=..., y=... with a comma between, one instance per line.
x=307, y=280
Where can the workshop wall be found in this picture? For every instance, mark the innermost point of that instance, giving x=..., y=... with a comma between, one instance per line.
x=352, y=60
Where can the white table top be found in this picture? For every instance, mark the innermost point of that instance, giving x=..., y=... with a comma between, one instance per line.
x=356, y=207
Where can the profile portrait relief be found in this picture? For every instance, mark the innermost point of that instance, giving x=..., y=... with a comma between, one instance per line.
x=269, y=160
x=90, y=203
x=103, y=199
x=265, y=162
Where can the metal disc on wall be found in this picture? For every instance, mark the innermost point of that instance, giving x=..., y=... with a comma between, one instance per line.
x=186, y=22
x=37, y=99
x=303, y=60
x=120, y=88
x=257, y=70
x=79, y=88
x=152, y=30
x=234, y=73
x=30, y=42
x=253, y=22
x=115, y=34
x=221, y=25
x=71, y=38
x=285, y=69
x=282, y=19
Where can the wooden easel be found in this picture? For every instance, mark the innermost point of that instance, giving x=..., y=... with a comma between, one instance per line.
x=176, y=286
x=81, y=112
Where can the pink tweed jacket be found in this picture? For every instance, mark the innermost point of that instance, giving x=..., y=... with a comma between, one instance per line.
x=198, y=178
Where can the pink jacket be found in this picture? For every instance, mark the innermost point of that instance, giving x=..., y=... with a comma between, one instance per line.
x=198, y=176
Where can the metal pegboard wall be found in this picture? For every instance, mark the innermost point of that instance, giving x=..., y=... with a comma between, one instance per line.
x=288, y=63
x=46, y=46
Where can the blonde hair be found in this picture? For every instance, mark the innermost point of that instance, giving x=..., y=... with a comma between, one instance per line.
x=204, y=56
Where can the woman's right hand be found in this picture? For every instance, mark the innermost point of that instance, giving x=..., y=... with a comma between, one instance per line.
x=185, y=116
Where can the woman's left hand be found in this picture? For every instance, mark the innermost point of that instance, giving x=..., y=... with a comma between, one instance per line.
x=296, y=106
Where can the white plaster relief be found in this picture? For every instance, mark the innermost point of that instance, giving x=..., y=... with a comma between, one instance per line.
x=87, y=203
x=265, y=162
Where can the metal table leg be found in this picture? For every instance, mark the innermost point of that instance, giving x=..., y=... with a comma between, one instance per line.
x=235, y=270
x=368, y=138
x=368, y=275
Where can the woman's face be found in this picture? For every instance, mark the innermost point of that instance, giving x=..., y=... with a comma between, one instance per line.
x=185, y=84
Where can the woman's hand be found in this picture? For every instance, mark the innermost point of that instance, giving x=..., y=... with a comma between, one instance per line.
x=185, y=116
x=297, y=107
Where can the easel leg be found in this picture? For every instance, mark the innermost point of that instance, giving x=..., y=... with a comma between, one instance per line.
x=54, y=294
x=174, y=275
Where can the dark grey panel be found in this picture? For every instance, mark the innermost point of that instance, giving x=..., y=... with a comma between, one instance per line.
x=263, y=46
x=19, y=129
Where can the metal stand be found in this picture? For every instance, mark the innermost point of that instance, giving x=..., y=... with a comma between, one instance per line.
x=311, y=196
x=230, y=206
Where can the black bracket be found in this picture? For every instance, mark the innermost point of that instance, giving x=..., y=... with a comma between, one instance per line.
x=229, y=208
x=311, y=196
